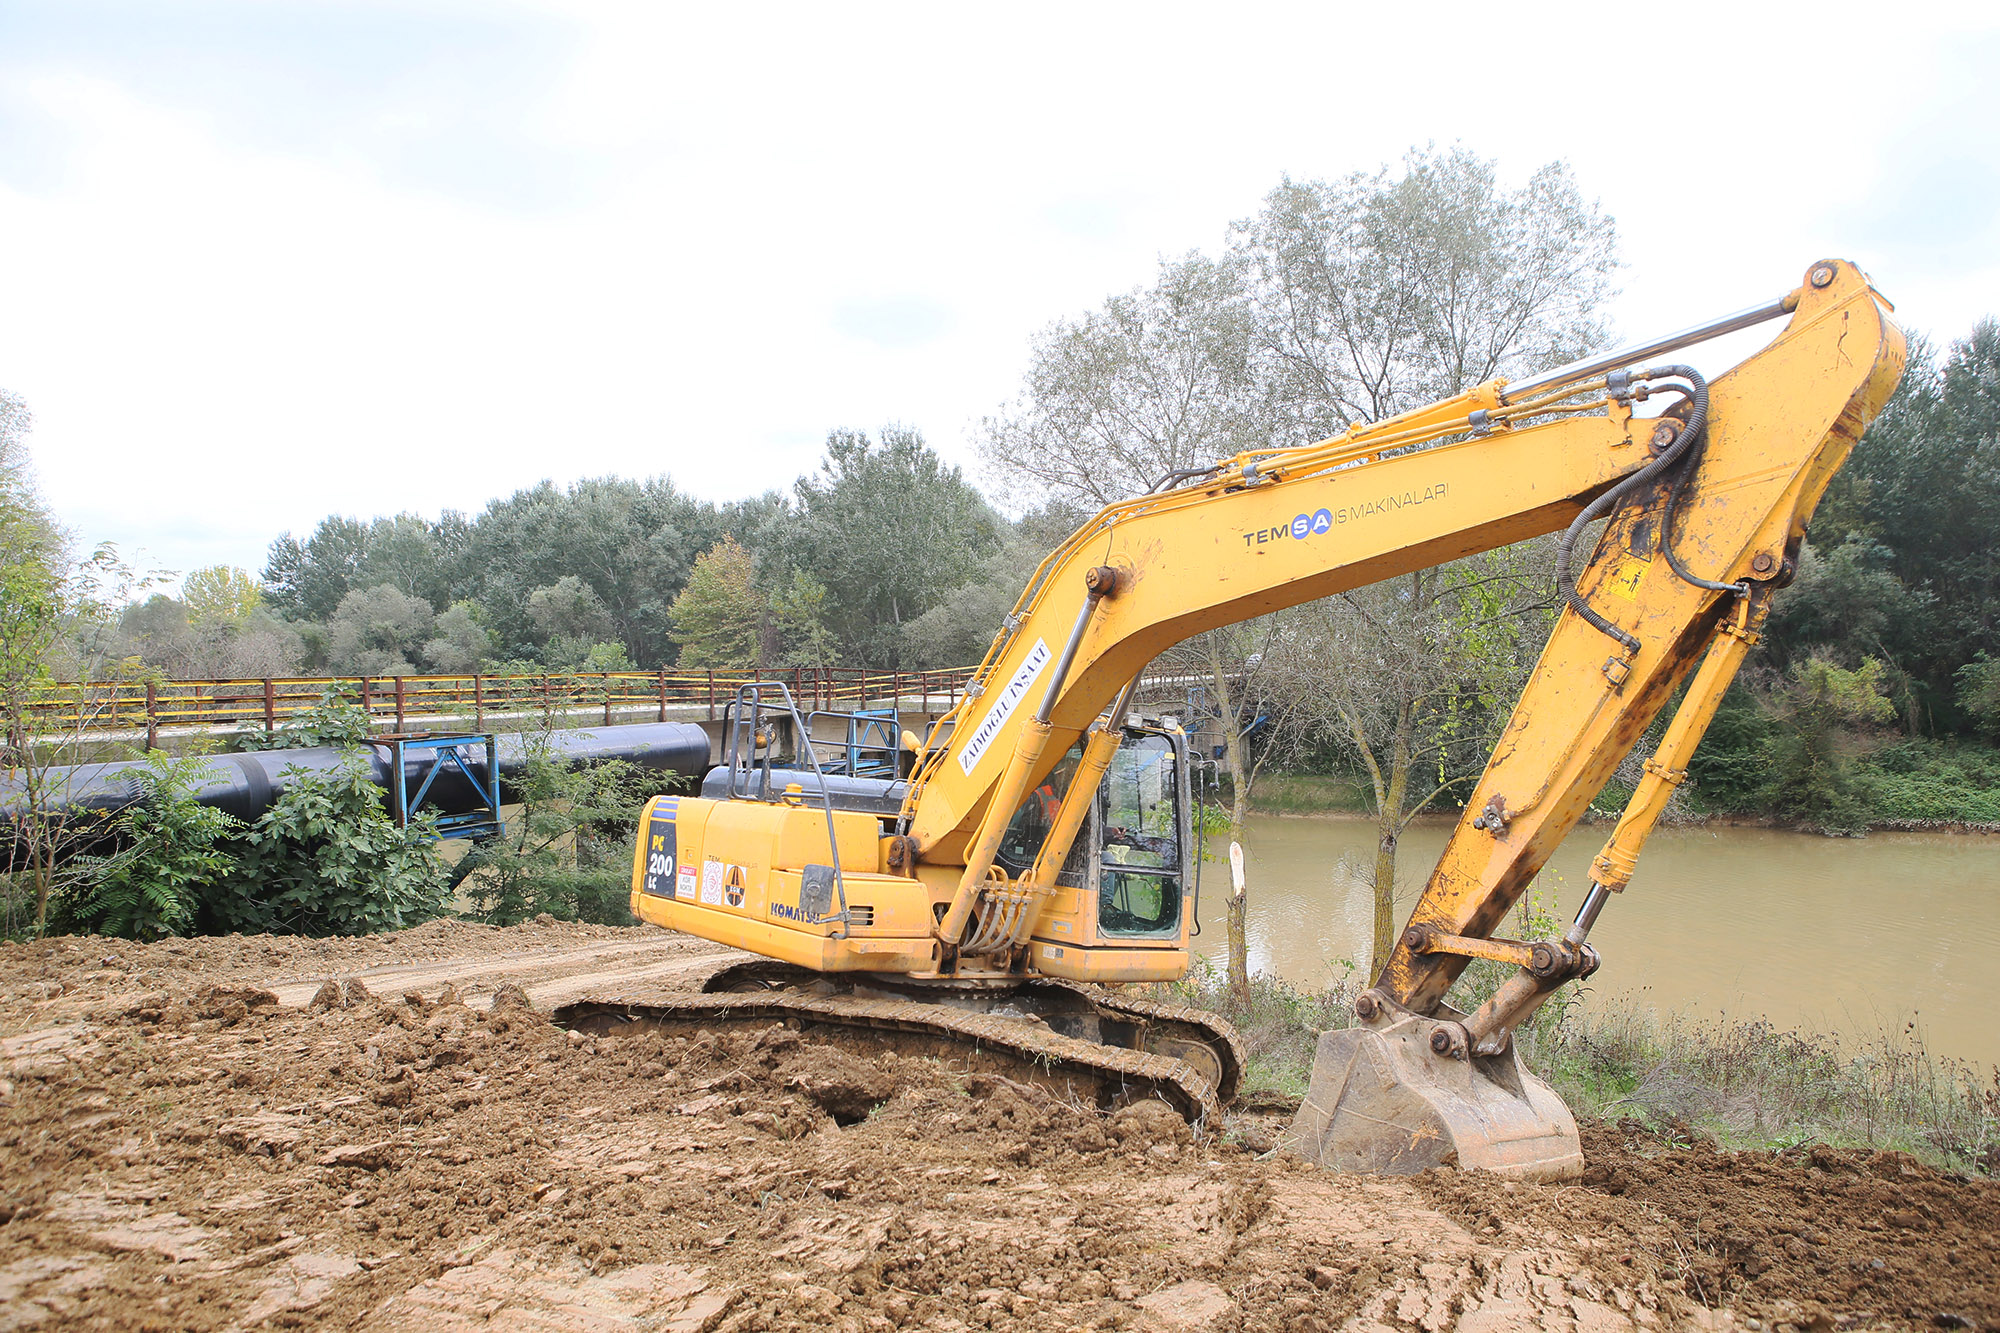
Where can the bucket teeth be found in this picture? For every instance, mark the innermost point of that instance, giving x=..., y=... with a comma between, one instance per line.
x=1381, y=1101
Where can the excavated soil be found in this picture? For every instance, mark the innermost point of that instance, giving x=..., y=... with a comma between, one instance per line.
x=207, y=1135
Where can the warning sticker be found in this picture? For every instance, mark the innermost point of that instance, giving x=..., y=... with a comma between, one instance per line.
x=689, y=878
x=1624, y=580
x=711, y=882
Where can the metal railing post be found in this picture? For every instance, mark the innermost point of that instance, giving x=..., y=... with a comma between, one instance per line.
x=399, y=703
x=663, y=694
x=152, y=717
x=478, y=702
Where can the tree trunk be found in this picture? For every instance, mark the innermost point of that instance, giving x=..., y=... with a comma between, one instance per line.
x=1388, y=827
x=1239, y=805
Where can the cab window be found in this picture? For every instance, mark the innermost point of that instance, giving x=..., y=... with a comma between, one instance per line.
x=1029, y=828
x=1139, y=886
x=1141, y=814
x=1135, y=903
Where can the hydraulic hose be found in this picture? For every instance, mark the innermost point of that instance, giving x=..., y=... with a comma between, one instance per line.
x=1690, y=432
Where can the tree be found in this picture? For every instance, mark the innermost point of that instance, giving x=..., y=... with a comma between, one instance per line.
x=1373, y=295
x=1156, y=380
x=460, y=641
x=375, y=631
x=56, y=622
x=1812, y=779
x=570, y=608
x=633, y=544
x=220, y=594
x=1919, y=500
x=718, y=618
x=1412, y=677
x=798, y=624
x=891, y=530
x=960, y=628
x=307, y=579
x=1380, y=292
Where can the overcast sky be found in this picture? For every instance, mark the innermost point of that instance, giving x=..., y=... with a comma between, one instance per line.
x=264, y=260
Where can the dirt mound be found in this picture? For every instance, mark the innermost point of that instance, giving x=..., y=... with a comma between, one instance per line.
x=1812, y=1238
x=181, y=1150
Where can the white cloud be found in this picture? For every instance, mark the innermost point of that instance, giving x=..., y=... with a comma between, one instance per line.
x=715, y=233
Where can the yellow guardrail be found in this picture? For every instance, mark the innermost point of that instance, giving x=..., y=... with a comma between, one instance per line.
x=149, y=706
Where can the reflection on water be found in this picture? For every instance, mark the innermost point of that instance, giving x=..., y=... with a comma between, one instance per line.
x=1832, y=934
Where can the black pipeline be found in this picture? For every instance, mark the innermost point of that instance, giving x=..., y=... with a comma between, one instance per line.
x=246, y=785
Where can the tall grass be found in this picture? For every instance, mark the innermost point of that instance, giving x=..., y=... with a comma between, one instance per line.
x=1749, y=1084
x=1742, y=1082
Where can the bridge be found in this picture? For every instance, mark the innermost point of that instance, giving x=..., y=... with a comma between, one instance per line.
x=151, y=711
x=148, y=710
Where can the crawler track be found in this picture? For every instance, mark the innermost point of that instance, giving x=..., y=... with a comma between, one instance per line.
x=1021, y=1048
x=1105, y=1048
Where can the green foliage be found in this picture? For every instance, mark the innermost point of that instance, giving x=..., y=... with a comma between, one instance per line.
x=1924, y=484
x=568, y=654
x=1920, y=781
x=175, y=855
x=1279, y=1024
x=1730, y=769
x=327, y=859
x=377, y=632
x=1979, y=693
x=1848, y=601
x=1752, y=1085
x=798, y=616
x=569, y=850
x=719, y=616
x=334, y=720
x=570, y=609
x=220, y=593
x=460, y=641
x=1812, y=779
x=891, y=529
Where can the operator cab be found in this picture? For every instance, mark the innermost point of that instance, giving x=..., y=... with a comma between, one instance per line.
x=1133, y=853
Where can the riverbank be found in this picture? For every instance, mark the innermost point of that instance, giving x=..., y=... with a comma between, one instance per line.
x=1903, y=787
x=1735, y=1083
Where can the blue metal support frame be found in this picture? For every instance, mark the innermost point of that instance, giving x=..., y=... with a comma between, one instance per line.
x=482, y=821
x=873, y=742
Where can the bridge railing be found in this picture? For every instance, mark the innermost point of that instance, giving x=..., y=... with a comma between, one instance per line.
x=147, y=707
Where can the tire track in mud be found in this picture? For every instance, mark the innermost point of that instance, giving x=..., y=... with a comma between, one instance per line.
x=549, y=978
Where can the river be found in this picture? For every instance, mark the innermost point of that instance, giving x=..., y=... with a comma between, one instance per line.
x=1835, y=935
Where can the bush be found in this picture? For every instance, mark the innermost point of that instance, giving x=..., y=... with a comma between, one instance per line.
x=569, y=851
x=1919, y=781
x=334, y=720
x=1280, y=1025
x=327, y=859
x=175, y=854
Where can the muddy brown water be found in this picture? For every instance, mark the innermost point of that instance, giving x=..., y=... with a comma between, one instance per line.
x=1851, y=936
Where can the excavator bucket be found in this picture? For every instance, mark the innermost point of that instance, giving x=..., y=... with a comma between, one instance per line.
x=1382, y=1101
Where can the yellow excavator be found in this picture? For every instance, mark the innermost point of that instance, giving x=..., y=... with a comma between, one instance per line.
x=1037, y=847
